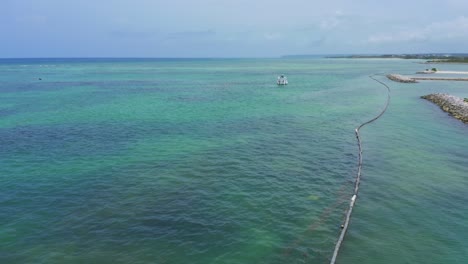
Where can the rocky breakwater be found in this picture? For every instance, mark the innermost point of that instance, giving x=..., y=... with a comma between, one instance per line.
x=400, y=78
x=453, y=105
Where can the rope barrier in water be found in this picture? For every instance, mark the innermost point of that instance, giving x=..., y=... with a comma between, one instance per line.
x=358, y=176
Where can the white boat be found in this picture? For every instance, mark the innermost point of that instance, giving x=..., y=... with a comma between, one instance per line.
x=282, y=80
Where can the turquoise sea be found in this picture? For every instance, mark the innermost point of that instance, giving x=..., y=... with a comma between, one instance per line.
x=208, y=161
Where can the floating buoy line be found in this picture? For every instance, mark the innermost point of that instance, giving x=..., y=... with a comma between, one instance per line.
x=354, y=197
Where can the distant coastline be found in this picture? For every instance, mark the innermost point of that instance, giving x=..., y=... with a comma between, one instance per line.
x=431, y=58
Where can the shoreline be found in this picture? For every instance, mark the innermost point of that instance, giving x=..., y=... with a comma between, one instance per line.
x=406, y=79
x=439, y=79
x=453, y=105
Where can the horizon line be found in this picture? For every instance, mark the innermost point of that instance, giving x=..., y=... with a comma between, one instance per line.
x=235, y=57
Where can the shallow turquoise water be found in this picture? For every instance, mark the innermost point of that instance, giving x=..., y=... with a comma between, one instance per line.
x=208, y=161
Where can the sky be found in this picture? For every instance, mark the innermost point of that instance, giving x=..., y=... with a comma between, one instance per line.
x=229, y=28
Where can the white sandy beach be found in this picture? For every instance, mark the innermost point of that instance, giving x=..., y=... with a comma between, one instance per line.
x=452, y=72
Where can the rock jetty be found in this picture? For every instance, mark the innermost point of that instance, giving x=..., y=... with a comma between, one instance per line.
x=400, y=78
x=453, y=105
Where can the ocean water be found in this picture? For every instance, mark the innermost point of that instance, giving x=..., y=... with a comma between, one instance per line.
x=208, y=161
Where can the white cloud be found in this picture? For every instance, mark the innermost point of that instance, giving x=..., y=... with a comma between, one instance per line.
x=447, y=30
x=405, y=36
x=331, y=22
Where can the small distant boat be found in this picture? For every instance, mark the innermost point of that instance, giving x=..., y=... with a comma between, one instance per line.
x=282, y=80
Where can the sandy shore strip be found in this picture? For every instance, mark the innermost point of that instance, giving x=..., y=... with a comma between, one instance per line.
x=465, y=79
x=413, y=79
x=453, y=105
x=442, y=72
x=451, y=72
